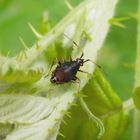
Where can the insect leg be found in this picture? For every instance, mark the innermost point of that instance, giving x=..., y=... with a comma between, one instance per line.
x=52, y=66
x=49, y=69
x=75, y=79
x=92, y=62
x=70, y=58
x=84, y=72
x=59, y=63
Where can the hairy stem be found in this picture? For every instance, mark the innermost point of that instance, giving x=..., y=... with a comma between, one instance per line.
x=136, y=123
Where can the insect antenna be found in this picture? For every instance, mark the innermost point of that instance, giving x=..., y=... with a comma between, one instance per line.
x=82, y=52
x=71, y=40
x=74, y=44
x=81, y=55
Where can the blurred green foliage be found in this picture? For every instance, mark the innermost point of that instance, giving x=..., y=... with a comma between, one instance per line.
x=117, y=58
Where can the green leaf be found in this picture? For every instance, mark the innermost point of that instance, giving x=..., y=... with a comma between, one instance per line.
x=32, y=116
x=136, y=96
x=115, y=125
x=91, y=17
x=137, y=69
x=24, y=109
x=20, y=76
x=102, y=95
x=105, y=104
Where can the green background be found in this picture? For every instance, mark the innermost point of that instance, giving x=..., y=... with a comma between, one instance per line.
x=117, y=57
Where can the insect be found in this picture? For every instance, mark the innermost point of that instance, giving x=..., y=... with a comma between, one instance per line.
x=66, y=72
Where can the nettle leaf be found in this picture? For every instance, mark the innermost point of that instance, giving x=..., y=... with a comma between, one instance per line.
x=24, y=109
x=107, y=106
x=104, y=97
x=87, y=25
x=20, y=76
x=33, y=117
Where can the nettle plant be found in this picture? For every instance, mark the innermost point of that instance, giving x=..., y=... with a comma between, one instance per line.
x=32, y=108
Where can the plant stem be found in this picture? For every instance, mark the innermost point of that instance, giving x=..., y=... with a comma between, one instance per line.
x=137, y=67
x=93, y=118
x=136, y=122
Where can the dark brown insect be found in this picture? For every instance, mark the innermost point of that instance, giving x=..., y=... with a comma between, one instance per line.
x=66, y=72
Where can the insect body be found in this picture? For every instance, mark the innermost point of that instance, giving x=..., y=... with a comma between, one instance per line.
x=66, y=72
